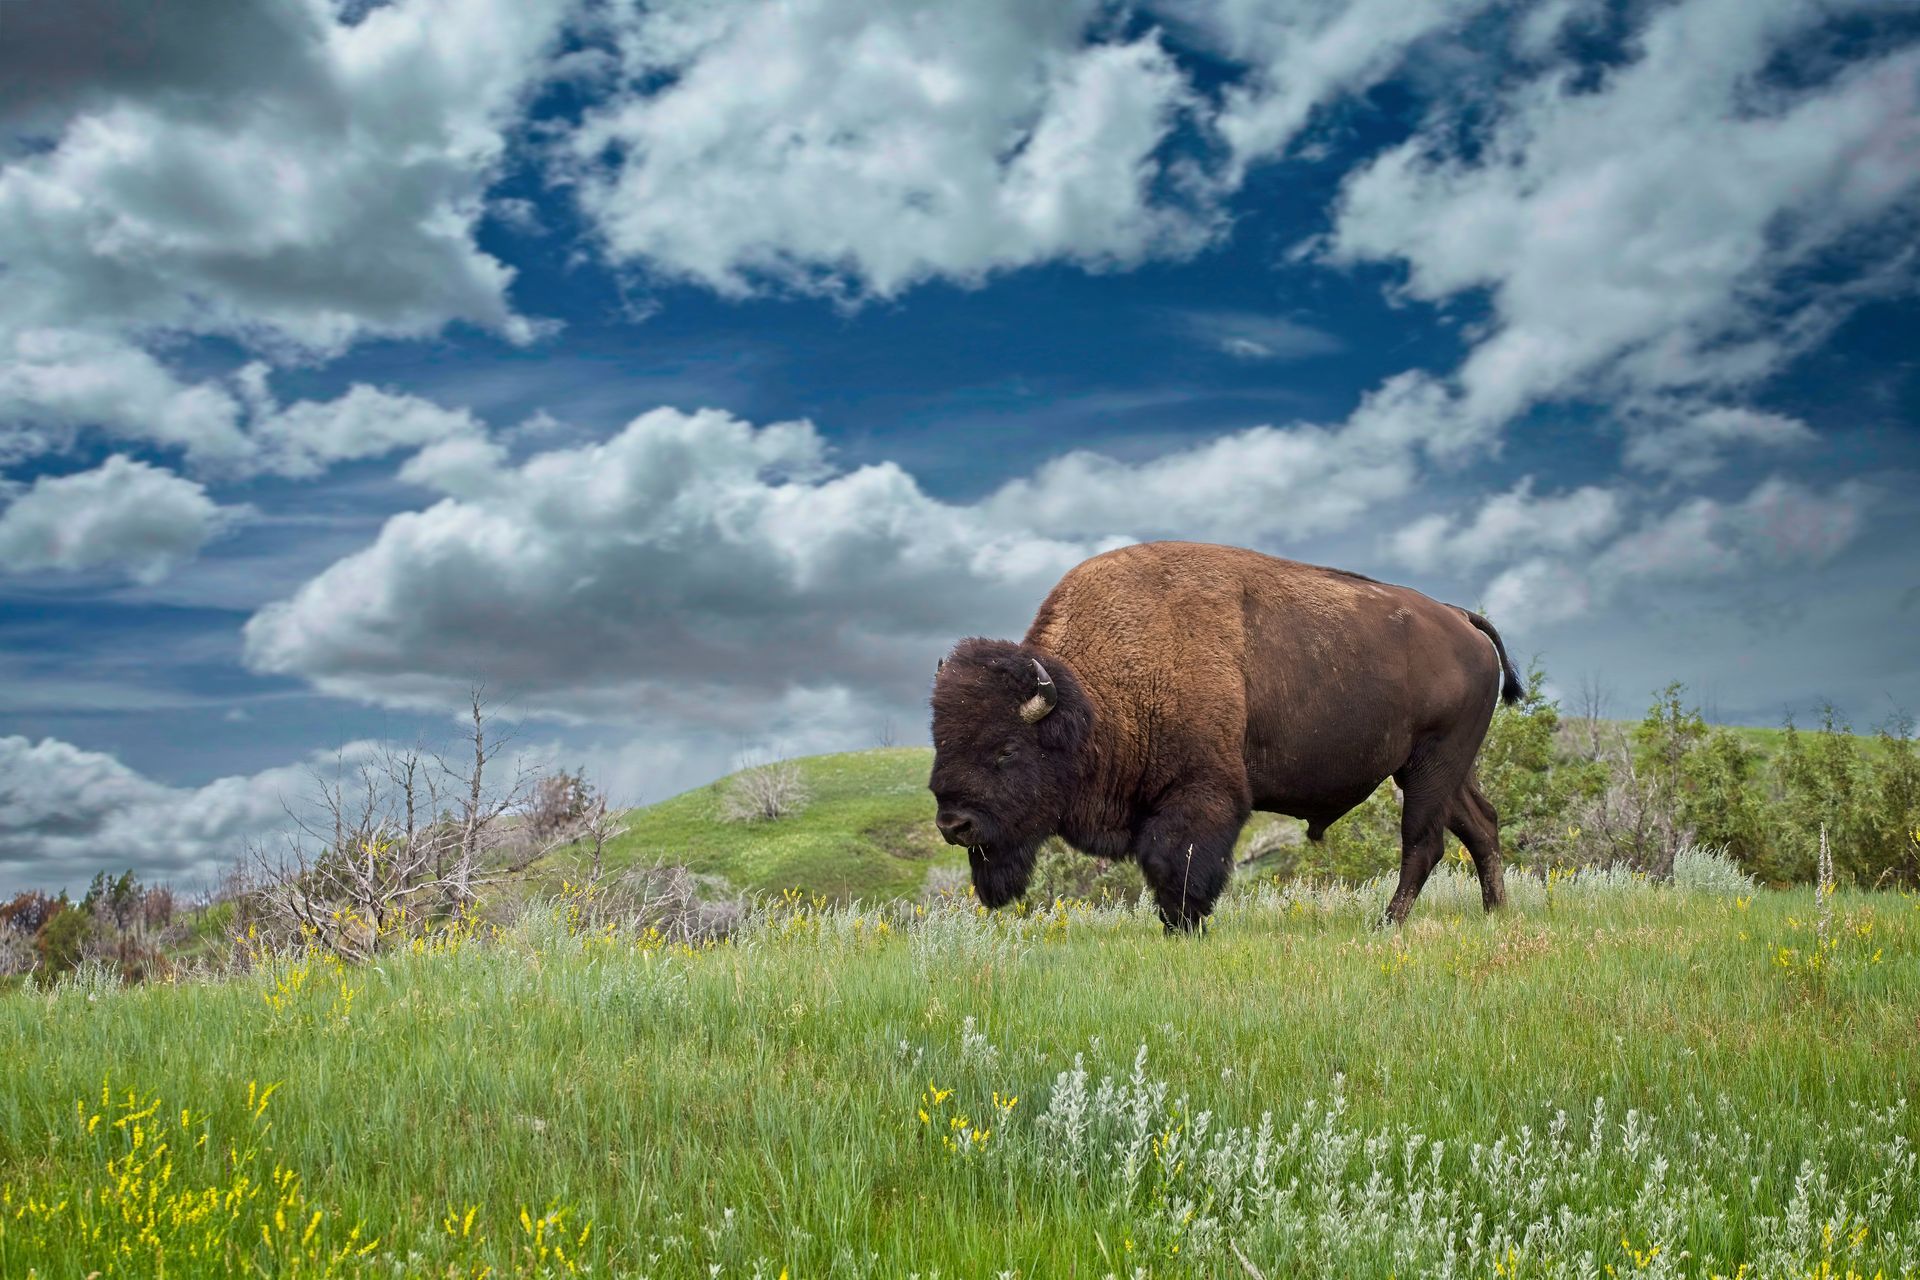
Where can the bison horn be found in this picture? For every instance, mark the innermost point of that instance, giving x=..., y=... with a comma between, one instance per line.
x=1035, y=708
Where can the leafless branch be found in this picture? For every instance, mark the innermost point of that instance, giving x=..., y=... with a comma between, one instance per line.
x=405, y=838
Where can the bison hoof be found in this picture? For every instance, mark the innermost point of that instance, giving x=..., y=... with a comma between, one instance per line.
x=1396, y=914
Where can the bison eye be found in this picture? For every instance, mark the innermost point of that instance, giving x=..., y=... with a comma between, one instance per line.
x=1007, y=753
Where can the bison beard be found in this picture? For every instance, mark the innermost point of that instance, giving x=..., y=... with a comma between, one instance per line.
x=1166, y=690
x=1001, y=875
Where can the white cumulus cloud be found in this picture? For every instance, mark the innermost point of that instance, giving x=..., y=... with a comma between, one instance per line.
x=1780, y=524
x=285, y=177
x=67, y=384
x=1506, y=524
x=270, y=174
x=1246, y=485
x=1690, y=443
x=57, y=383
x=123, y=514
x=305, y=438
x=1303, y=54
x=66, y=813
x=857, y=147
x=1644, y=232
x=693, y=565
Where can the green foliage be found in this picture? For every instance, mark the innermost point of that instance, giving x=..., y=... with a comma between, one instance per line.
x=1763, y=799
x=1722, y=801
x=1684, y=782
x=1895, y=852
x=1065, y=872
x=1663, y=742
x=1865, y=793
x=1364, y=843
x=1535, y=785
x=118, y=897
x=215, y=922
x=62, y=941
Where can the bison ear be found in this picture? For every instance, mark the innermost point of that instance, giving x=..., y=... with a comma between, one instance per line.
x=939, y=666
x=1045, y=698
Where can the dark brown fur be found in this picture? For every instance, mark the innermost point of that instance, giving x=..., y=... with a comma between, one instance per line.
x=1197, y=683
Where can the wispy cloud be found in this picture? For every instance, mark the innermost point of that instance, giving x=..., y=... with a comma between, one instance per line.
x=1252, y=335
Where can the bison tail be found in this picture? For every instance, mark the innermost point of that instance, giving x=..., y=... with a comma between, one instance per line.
x=1511, y=689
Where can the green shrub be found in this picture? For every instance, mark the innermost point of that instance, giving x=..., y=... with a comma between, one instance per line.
x=62, y=941
x=1865, y=792
x=1363, y=844
x=1894, y=855
x=1534, y=783
x=1723, y=801
x=1064, y=872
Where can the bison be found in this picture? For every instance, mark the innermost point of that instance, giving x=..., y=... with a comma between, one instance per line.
x=1167, y=689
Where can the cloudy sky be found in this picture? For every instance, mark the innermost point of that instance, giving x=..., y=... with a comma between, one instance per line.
x=691, y=374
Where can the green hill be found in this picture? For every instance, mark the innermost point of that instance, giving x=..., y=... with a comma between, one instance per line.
x=865, y=832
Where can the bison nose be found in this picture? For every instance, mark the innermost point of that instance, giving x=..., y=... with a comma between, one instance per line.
x=956, y=827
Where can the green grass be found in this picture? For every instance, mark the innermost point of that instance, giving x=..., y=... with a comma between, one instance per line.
x=1769, y=739
x=867, y=831
x=756, y=1106
x=1764, y=739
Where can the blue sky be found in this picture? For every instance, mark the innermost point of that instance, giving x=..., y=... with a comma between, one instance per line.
x=690, y=375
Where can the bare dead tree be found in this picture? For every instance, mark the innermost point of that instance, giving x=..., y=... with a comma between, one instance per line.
x=477, y=815
x=17, y=955
x=1593, y=702
x=1631, y=820
x=400, y=839
x=889, y=737
x=601, y=826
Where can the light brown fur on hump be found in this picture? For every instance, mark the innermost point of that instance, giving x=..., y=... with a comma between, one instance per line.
x=1158, y=630
x=1161, y=632
x=1113, y=595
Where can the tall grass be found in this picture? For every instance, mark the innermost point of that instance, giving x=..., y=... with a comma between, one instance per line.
x=1612, y=1078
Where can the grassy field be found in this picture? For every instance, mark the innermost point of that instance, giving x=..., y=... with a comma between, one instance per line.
x=1610, y=1079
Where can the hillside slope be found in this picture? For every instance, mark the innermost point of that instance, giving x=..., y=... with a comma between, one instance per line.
x=866, y=831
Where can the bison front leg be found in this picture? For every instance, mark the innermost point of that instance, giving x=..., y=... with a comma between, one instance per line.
x=1185, y=851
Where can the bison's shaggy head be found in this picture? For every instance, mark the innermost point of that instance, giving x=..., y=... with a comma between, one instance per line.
x=1009, y=730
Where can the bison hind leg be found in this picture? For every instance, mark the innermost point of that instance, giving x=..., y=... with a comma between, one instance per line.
x=1476, y=824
